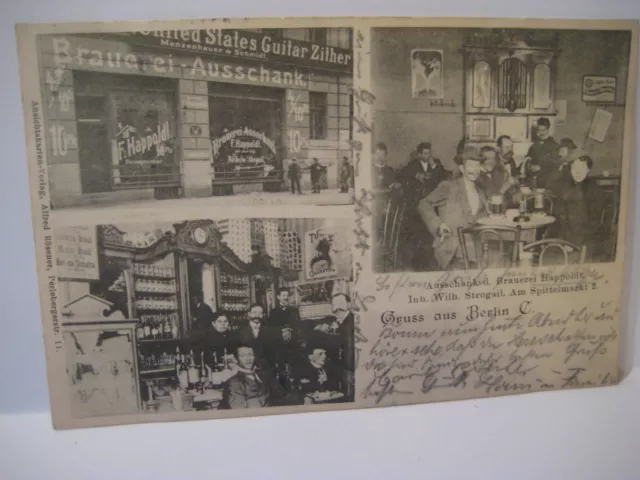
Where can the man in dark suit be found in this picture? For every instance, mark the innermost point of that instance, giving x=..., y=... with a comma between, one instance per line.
x=541, y=159
x=420, y=177
x=505, y=155
x=286, y=319
x=264, y=339
x=251, y=387
x=460, y=203
x=315, y=171
x=337, y=336
x=294, y=173
x=201, y=314
x=315, y=373
x=385, y=176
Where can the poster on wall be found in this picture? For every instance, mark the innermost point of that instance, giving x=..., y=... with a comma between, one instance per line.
x=426, y=74
x=320, y=254
x=77, y=253
x=596, y=88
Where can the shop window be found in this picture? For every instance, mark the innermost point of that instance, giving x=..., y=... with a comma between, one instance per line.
x=302, y=34
x=319, y=36
x=246, y=133
x=339, y=37
x=127, y=132
x=317, y=115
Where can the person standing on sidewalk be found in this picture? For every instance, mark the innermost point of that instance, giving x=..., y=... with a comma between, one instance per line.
x=294, y=176
x=316, y=173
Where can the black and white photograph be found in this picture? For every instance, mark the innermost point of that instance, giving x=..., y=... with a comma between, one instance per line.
x=517, y=163
x=202, y=117
x=205, y=315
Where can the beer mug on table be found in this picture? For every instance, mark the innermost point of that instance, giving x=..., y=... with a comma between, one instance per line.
x=496, y=205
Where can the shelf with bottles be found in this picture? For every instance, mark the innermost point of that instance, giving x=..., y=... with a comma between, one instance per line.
x=158, y=327
x=161, y=362
x=150, y=270
x=156, y=287
x=160, y=304
x=234, y=282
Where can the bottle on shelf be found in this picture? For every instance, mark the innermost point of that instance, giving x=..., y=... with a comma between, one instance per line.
x=181, y=370
x=193, y=372
x=147, y=329
x=166, y=329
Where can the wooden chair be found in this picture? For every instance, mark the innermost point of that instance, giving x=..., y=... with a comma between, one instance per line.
x=482, y=235
x=566, y=248
x=389, y=234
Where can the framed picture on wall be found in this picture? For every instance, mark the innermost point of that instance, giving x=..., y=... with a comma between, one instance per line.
x=599, y=89
x=426, y=74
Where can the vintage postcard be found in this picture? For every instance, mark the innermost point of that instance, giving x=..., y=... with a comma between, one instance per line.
x=242, y=217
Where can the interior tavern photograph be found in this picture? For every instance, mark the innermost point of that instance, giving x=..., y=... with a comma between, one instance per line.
x=497, y=147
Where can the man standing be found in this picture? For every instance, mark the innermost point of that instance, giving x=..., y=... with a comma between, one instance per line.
x=264, y=339
x=459, y=203
x=251, y=387
x=337, y=336
x=286, y=319
x=316, y=172
x=385, y=176
x=542, y=155
x=421, y=176
x=294, y=176
x=201, y=314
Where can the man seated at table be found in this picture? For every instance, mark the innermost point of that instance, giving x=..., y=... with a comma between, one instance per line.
x=578, y=208
x=316, y=373
x=495, y=179
x=460, y=204
x=505, y=155
x=251, y=387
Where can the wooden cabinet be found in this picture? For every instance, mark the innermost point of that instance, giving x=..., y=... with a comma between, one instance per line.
x=508, y=84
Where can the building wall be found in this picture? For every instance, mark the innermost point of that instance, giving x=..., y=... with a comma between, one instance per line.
x=60, y=55
x=402, y=121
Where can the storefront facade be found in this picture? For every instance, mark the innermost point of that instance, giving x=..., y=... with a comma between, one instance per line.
x=192, y=113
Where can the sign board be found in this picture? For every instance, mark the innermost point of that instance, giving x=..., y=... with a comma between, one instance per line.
x=600, y=125
x=248, y=45
x=77, y=253
x=597, y=88
x=320, y=256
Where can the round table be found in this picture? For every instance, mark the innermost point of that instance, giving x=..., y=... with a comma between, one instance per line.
x=528, y=228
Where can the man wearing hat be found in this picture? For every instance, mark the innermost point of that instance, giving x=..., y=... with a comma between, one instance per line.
x=460, y=203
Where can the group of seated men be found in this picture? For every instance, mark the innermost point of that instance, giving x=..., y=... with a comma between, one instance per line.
x=277, y=360
x=438, y=202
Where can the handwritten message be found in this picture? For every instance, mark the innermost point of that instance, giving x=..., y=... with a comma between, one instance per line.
x=490, y=333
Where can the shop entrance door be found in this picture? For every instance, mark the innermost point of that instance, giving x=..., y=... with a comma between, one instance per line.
x=246, y=130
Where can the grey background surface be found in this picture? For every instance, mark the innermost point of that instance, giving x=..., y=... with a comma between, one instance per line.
x=435, y=441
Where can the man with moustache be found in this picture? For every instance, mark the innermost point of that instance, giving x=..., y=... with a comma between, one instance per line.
x=454, y=204
x=336, y=335
x=264, y=339
x=505, y=155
